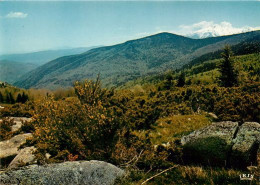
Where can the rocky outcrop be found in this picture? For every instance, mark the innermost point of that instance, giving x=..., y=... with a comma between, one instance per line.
x=223, y=144
x=246, y=144
x=9, y=148
x=224, y=130
x=24, y=157
x=18, y=122
x=77, y=172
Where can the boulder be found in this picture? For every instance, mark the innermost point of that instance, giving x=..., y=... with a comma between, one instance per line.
x=76, y=172
x=246, y=145
x=21, y=119
x=224, y=130
x=18, y=122
x=224, y=144
x=210, y=145
x=9, y=148
x=24, y=157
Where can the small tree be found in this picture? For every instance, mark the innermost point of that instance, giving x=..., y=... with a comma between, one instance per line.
x=24, y=98
x=19, y=98
x=168, y=83
x=1, y=98
x=228, y=76
x=11, y=98
x=181, y=80
x=90, y=92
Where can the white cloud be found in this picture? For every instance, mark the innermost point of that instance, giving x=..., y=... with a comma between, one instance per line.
x=210, y=29
x=16, y=15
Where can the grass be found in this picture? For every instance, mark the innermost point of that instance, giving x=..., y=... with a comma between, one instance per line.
x=171, y=128
x=5, y=105
x=184, y=175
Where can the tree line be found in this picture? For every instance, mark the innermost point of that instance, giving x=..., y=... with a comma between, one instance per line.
x=9, y=98
x=228, y=75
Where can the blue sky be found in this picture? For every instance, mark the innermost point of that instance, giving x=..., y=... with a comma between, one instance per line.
x=33, y=26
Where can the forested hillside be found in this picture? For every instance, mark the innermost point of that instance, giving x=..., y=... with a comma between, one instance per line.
x=11, y=71
x=123, y=62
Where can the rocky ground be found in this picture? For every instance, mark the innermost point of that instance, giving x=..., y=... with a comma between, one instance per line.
x=224, y=144
x=19, y=165
x=76, y=172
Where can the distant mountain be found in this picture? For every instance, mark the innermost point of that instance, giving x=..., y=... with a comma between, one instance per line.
x=212, y=32
x=11, y=71
x=123, y=62
x=13, y=66
x=42, y=57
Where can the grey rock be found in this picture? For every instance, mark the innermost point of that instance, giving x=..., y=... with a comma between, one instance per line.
x=10, y=147
x=21, y=119
x=17, y=125
x=246, y=144
x=224, y=144
x=47, y=156
x=18, y=122
x=67, y=173
x=210, y=145
x=24, y=157
x=224, y=130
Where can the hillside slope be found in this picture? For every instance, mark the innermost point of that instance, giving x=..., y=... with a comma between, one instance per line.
x=11, y=71
x=123, y=62
x=204, y=73
x=42, y=57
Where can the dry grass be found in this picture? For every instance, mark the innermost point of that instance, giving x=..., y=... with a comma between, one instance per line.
x=192, y=172
x=171, y=128
x=184, y=175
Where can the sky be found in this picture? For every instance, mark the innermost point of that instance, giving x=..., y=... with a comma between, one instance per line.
x=27, y=26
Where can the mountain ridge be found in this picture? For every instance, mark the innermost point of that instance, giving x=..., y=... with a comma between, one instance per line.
x=126, y=61
x=44, y=56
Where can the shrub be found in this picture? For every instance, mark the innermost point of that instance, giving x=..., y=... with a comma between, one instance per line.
x=18, y=110
x=90, y=92
x=6, y=129
x=84, y=130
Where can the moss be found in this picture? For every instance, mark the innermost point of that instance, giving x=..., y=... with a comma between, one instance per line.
x=211, y=151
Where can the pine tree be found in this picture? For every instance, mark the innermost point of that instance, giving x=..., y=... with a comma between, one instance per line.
x=228, y=76
x=19, y=98
x=24, y=98
x=181, y=80
x=1, y=98
x=168, y=84
x=7, y=98
x=11, y=98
